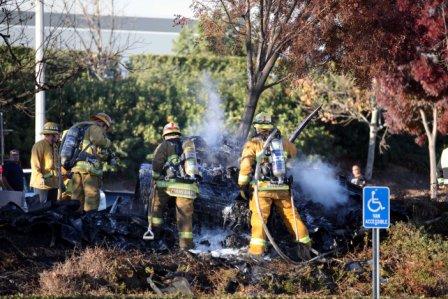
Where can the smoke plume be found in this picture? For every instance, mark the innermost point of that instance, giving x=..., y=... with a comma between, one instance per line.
x=212, y=127
x=319, y=181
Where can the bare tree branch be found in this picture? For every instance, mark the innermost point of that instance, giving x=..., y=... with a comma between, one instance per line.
x=283, y=79
x=383, y=146
x=229, y=17
x=18, y=80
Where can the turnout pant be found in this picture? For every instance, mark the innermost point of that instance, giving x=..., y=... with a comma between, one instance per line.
x=47, y=194
x=282, y=200
x=184, y=216
x=86, y=189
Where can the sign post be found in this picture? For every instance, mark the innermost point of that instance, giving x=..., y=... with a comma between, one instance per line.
x=376, y=215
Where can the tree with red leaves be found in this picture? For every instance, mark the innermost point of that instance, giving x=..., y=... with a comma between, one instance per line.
x=358, y=38
x=415, y=91
x=401, y=43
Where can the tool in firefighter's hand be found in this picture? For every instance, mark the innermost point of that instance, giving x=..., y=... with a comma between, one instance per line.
x=57, y=160
x=149, y=234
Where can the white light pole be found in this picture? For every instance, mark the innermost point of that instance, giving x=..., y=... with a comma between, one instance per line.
x=40, y=68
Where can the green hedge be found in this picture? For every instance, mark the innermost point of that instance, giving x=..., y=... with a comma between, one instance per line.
x=160, y=86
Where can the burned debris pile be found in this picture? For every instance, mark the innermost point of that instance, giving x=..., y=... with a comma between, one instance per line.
x=64, y=224
x=219, y=206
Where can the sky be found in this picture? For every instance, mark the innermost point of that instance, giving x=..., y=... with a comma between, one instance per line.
x=134, y=8
x=157, y=8
x=145, y=42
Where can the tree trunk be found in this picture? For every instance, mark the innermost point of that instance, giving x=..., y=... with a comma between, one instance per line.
x=249, y=111
x=433, y=168
x=373, y=132
x=432, y=137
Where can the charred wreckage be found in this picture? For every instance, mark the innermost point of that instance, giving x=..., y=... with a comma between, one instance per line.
x=221, y=218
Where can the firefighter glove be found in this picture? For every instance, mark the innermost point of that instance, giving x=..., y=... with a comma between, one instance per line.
x=245, y=192
x=46, y=179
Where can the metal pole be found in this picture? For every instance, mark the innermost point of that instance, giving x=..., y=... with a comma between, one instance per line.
x=2, y=136
x=376, y=263
x=40, y=69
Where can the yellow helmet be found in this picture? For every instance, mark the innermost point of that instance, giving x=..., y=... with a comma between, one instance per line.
x=50, y=128
x=102, y=117
x=263, y=121
x=170, y=128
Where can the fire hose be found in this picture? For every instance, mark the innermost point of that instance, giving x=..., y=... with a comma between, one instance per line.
x=265, y=227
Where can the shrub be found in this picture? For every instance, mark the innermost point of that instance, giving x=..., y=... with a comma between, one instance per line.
x=95, y=271
x=414, y=262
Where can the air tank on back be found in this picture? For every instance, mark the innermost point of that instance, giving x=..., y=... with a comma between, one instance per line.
x=69, y=145
x=277, y=159
x=191, y=162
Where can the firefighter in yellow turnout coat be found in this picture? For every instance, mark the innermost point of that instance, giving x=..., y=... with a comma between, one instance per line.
x=44, y=173
x=87, y=173
x=271, y=189
x=175, y=180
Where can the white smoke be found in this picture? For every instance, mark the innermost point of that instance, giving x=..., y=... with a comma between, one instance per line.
x=211, y=127
x=319, y=181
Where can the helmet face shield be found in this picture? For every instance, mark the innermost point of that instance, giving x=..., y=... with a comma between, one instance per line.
x=171, y=136
x=171, y=130
x=260, y=127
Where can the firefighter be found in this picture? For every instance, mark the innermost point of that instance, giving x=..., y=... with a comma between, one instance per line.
x=44, y=174
x=88, y=171
x=272, y=186
x=175, y=172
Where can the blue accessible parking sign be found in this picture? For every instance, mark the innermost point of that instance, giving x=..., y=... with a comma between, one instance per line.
x=376, y=207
